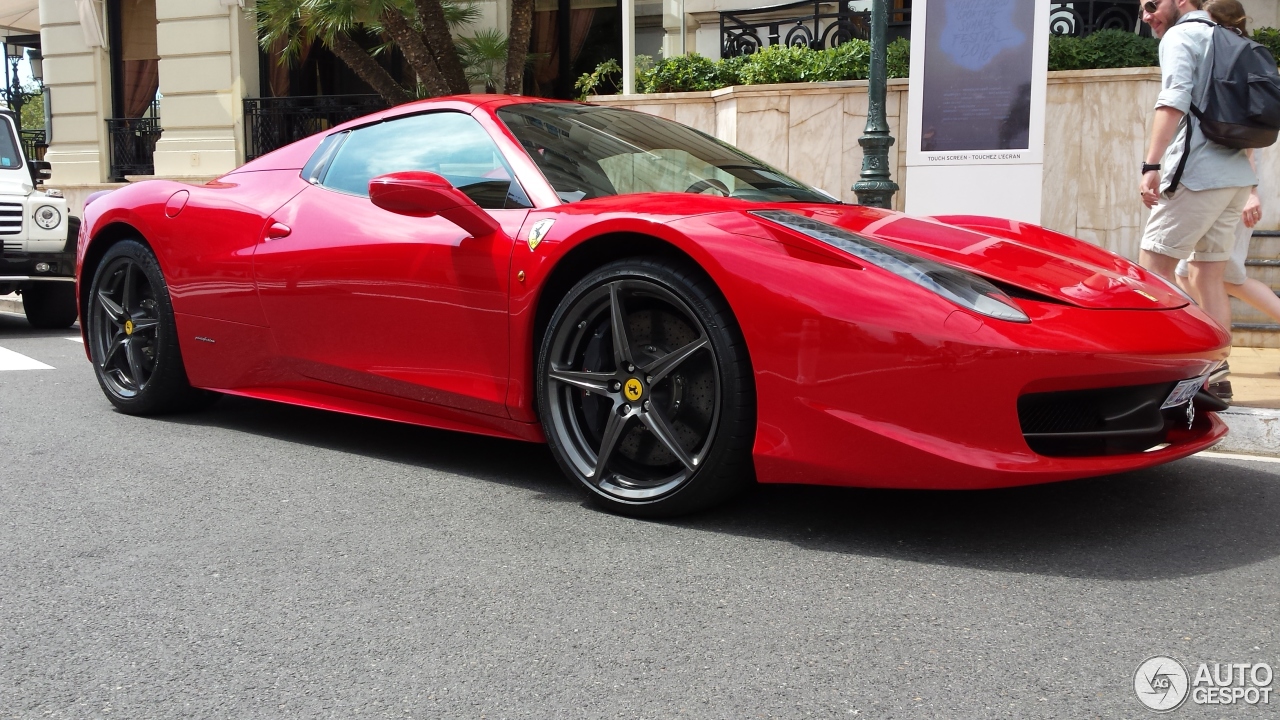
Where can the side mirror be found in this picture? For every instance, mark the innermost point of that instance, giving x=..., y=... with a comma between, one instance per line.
x=40, y=170
x=422, y=194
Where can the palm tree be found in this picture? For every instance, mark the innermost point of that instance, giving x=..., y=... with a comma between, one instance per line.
x=421, y=29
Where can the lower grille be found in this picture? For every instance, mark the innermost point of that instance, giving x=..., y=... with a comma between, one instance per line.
x=1108, y=421
x=10, y=218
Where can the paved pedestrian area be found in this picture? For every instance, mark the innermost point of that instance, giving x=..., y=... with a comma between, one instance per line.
x=1255, y=377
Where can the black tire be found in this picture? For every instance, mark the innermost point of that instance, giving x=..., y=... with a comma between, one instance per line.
x=669, y=403
x=50, y=305
x=133, y=340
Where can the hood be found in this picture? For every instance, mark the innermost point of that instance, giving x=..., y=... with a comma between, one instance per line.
x=1028, y=257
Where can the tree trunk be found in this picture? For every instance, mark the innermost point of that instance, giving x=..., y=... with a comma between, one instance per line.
x=367, y=69
x=436, y=36
x=416, y=52
x=518, y=45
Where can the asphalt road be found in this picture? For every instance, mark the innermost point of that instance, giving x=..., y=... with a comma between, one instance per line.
x=262, y=561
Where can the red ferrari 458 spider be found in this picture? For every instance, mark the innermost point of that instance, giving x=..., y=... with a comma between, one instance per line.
x=674, y=318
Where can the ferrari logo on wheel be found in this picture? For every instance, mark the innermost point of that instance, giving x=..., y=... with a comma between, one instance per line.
x=128, y=327
x=633, y=389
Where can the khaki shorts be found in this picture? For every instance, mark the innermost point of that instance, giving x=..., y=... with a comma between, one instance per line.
x=1199, y=225
x=1234, y=273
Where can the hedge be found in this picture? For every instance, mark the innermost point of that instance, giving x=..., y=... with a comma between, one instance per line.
x=851, y=60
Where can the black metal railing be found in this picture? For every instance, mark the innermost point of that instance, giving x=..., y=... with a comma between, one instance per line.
x=271, y=123
x=133, y=146
x=34, y=144
x=825, y=25
x=1084, y=17
x=821, y=25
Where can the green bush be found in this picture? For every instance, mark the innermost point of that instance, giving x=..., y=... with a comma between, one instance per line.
x=684, y=73
x=1269, y=38
x=1103, y=49
x=851, y=61
x=899, y=58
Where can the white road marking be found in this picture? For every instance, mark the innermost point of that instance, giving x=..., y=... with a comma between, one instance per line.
x=75, y=339
x=10, y=360
x=1234, y=456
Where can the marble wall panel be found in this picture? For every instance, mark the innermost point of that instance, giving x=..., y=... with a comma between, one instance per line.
x=1062, y=143
x=1113, y=135
x=727, y=119
x=763, y=127
x=698, y=115
x=816, y=140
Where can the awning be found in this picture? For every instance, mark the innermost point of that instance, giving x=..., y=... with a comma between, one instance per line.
x=19, y=17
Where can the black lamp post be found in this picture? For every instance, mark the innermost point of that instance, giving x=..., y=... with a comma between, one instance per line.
x=876, y=189
x=14, y=96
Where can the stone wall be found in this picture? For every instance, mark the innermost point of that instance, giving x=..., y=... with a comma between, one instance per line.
x=1095, y=136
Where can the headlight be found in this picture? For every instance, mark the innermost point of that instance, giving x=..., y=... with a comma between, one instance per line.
x=47, y=217
x=964, y=289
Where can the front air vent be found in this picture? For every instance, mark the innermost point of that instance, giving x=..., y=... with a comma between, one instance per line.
x=10, y=218
x=1107, y=421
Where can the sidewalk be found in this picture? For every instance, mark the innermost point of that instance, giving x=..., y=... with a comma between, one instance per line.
x=1254, y=417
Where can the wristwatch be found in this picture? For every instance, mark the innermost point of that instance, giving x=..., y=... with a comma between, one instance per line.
x=1148, y=167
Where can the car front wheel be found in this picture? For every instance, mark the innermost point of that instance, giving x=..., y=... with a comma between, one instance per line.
x=645, y=390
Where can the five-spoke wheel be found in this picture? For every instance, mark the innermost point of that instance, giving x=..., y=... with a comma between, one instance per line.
x=644, y=389
x=132, y=337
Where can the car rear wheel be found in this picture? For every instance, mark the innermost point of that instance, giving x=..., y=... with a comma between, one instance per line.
x=645, y=390
x=50, y=305
x=133, y=340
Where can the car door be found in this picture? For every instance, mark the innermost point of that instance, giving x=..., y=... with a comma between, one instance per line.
x=411, y=307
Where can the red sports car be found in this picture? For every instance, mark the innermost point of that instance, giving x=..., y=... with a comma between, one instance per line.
x=674, y=318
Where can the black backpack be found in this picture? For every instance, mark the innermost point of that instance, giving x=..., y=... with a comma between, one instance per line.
x=1242, y=103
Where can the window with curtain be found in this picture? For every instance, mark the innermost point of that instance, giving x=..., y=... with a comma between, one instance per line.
x=139, y=65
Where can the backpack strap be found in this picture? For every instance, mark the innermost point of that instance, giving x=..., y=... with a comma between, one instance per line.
x=1195, y=111
x=1186, y=153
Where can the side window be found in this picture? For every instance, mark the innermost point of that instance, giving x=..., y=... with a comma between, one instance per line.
x=450, y=144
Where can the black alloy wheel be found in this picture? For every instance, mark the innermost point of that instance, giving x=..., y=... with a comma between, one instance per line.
x=132, y=337
x=645, y=391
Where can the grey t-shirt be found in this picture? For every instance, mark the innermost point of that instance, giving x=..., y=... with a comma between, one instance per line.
x=1186, y=62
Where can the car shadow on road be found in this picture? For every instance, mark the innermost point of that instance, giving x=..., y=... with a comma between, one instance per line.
x=13, y=326
x=1189, y=518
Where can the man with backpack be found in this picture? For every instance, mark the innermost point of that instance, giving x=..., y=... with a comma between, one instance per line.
x=1196, y=187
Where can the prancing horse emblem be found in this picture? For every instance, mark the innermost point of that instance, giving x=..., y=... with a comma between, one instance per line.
x=539, y=231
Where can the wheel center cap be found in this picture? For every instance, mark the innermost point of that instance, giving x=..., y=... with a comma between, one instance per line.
x=633, y=389
x=128, y=327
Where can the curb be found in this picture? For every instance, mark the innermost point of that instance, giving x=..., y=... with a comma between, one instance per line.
x=11, y=304
x=1253, y=431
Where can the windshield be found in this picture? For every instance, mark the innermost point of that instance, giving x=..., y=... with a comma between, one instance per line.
x=10, y=157
x=589, y=152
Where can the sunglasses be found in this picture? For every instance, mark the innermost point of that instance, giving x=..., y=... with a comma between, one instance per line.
x=1151, y=6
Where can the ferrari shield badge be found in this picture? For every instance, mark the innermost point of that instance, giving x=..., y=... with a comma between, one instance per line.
x=539, y=231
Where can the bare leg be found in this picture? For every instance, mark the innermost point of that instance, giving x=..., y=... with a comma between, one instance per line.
x=1257, y=294
x=1206, y=278
x=1163, y=265
x=1185, y=284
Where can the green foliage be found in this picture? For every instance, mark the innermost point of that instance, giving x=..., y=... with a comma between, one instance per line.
x=1103, y=49
x=899, y=58
x=484, y=58
x=606, y=79
x=33, y=111
x=1268, y=38
x=683, y=73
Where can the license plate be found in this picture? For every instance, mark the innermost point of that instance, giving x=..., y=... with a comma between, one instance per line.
x=1183, y=393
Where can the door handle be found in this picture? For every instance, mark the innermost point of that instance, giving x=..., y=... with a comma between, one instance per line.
x=278, y=230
